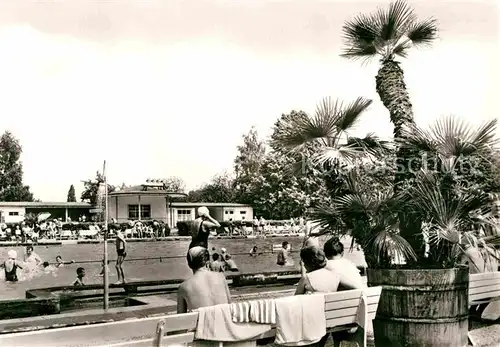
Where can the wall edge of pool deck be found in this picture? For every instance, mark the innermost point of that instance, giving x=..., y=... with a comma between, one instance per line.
x=162, y=239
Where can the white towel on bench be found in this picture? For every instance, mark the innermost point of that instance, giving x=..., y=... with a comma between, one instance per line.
x=300, y=320
x=256, y=311
x=215, y=323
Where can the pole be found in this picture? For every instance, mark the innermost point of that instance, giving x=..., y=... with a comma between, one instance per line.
x=106, y=270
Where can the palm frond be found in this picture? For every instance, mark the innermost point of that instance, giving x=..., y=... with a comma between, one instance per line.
x=452, y=137
x=389, y=244
x=335, y=155
x=360, y=52
x=418, y=139
x=371, y=144
x=387, y=32
x=484, y=137
x=401, y=49
x=393, y=22
x=350, y=115
x=360, y=34
x=424, y=32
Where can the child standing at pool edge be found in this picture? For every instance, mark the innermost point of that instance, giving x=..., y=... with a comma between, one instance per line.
x=121, y=252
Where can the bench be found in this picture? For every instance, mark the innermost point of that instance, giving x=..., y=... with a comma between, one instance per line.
x=484, y=288
x=343, y=310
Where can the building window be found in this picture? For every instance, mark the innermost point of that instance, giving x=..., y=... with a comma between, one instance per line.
x=230, y=211
x=145, y=211
x=183, y=215
x=133, y=212
x=243, y=212
x=13, y=213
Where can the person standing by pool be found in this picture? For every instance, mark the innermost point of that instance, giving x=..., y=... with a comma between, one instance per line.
x=121, y=252
x=201, y=228
x=10, y=266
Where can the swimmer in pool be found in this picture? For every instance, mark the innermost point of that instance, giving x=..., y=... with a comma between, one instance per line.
x=10, y=267
x=32, y=257
x=60, y=262
x=121, y=252
x=80, y=274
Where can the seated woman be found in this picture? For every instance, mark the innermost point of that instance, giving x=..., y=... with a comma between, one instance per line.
x=317, y=278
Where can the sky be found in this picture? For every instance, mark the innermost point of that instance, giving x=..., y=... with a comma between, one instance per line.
x=168, y=88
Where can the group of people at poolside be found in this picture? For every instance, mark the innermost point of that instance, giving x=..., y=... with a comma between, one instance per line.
x=322, y=269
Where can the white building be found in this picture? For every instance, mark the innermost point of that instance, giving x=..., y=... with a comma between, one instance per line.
x=14, y=212
x=153, y=202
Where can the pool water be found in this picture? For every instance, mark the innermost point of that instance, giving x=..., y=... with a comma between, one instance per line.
x=144, y=270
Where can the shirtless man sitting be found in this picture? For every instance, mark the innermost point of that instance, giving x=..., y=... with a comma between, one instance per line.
x=205, y=287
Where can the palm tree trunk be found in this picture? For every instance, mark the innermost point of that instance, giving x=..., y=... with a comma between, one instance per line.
x=392, y=90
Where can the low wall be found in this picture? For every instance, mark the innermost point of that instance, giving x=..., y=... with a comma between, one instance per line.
x=53, y=300
x=95, y=316
x=29, y=307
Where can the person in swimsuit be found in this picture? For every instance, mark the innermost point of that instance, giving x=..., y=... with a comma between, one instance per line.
x=201, y=228
x=121, y=252
x=10, y=267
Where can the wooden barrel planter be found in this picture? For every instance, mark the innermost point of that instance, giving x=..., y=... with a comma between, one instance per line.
x=421, y=307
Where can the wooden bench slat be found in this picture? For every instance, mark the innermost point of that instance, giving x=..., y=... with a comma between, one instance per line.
x=345, y=312
x=479, y=290
x=484, y=276
x=330, y=323
x=484, y=283
x=352, y=294
x=335, y=305
x=179, y=339
x=484, y=295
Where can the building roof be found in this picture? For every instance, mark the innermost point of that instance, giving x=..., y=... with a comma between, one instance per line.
x=208, y=204
x=146, y=189
x=40, y=204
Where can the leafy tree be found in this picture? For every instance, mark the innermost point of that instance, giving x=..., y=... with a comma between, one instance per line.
x=71, y=194
x=323, y=141
x=278, y=195
x=175, y=184
x=220, y=189
x=91, y=188
x=11, y=171
x=247, y=163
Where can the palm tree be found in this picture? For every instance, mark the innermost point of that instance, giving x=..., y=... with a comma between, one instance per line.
x=389, y=33
x=448, y=196
x=328, y=132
